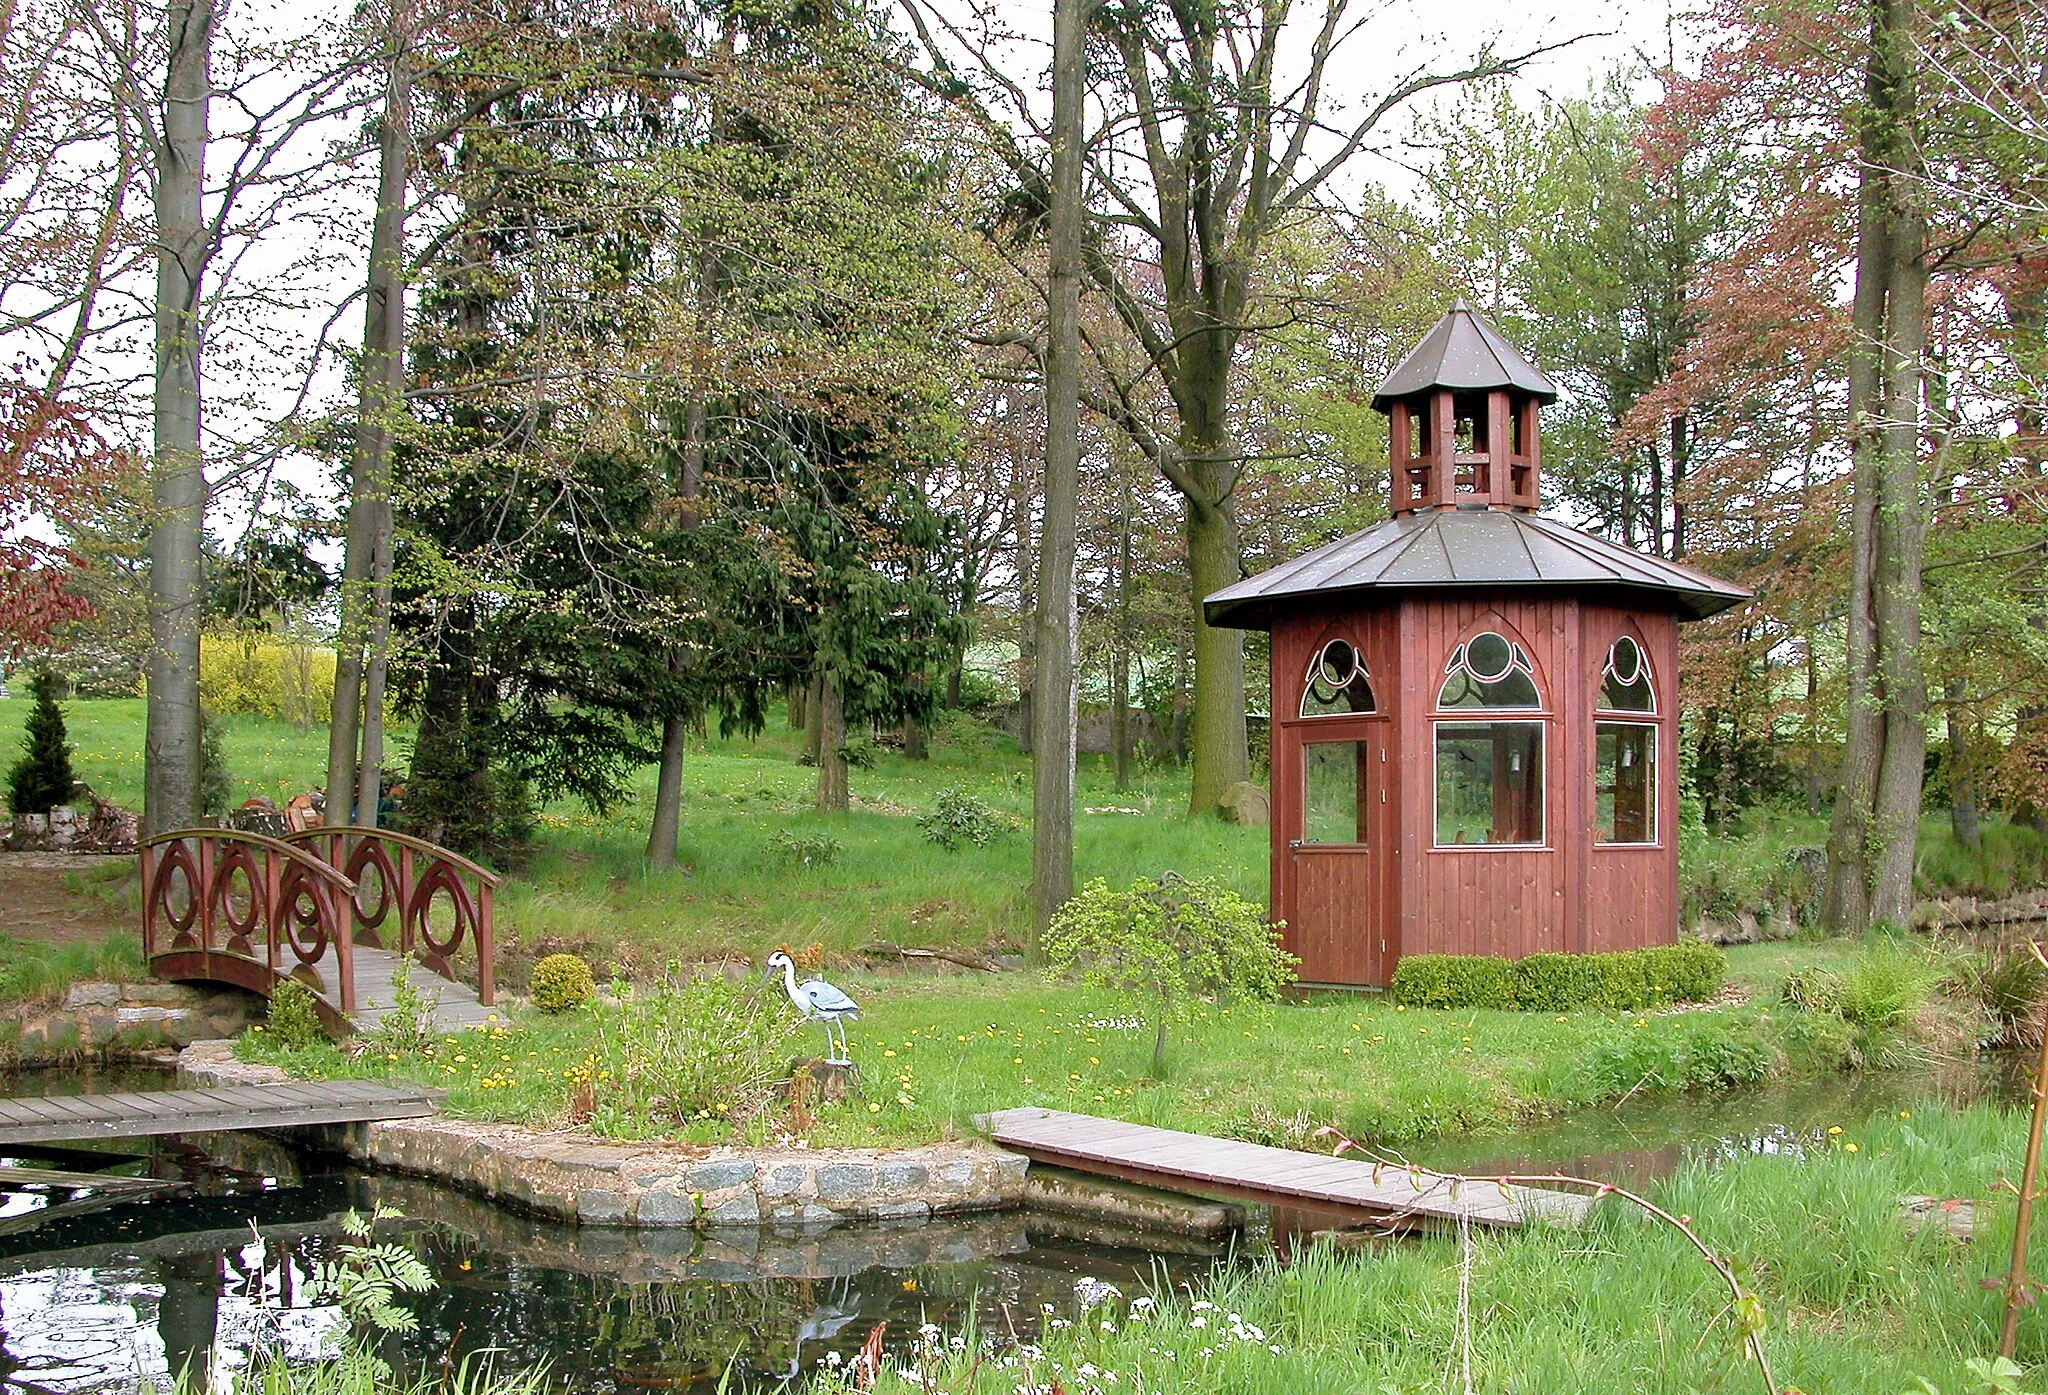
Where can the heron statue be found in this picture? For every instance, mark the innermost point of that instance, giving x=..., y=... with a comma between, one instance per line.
x=819, y=1002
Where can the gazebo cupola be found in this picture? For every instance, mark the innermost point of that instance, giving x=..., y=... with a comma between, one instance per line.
x=1462, y=420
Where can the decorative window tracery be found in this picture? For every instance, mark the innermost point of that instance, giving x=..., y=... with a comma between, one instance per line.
x=1337, y=683
x=1625, y=683
x=1489, y=670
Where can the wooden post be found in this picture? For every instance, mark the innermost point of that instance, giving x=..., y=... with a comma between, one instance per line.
x=2030, y=1172
x=1500, y=441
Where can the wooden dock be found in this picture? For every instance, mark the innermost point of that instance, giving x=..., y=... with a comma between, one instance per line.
x=1223, y=1167
x=79, y=1118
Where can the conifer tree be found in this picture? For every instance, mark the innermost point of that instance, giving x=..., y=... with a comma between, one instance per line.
x=42, y=778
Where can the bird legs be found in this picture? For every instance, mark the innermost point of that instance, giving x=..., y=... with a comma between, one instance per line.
x=835, y=1045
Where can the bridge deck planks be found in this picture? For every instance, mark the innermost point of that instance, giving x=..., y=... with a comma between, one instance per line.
x=1196, y=1163
x=74, y=1118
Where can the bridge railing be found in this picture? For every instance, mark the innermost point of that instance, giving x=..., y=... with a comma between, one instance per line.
x=214, y=892
x=411, y=877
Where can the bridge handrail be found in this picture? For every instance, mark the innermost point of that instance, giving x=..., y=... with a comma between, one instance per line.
x=412, y=896
x=261, y=840
x=481, y=873
x=273, y=901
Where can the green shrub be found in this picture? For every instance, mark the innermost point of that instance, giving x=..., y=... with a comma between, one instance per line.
x=1169, y=943
x=1885, y=986
x=42, y=778
x=2010, y=984
x=1813, y=990
x=1451, y=980
x=959, y=819
x=216, y=786
x=803, y=849
x=861, y=754
x=244, y=678
x=1690, y=971
x=560, y=982
x=688, y=1049
x=1699, y=1055
x=294, y=1021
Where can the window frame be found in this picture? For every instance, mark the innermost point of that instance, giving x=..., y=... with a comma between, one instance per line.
x=1362, y=838
x=1523, y=719
x=1314, y=675
x=1654, y=718
x=1656, y=791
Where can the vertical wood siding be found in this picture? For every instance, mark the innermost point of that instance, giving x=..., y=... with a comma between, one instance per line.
x=1566, y=895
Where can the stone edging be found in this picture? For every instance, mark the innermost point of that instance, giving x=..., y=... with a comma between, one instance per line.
x=611, y=1184
x=115, y=1021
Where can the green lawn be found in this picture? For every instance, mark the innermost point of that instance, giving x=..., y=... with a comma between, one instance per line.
x=585, y=887
x=935, y=1052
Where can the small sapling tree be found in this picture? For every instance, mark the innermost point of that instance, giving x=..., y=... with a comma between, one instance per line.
x=42, y=778
x=1171, y=943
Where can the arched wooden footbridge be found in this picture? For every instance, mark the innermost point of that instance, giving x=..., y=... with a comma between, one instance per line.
x=335, y=908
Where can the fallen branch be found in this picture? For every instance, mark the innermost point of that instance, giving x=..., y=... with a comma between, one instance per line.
x=964, y=958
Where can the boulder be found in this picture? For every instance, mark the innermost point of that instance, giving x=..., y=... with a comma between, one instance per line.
x=1247, y=805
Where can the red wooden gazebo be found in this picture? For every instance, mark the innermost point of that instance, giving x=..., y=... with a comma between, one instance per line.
x=1475, y=708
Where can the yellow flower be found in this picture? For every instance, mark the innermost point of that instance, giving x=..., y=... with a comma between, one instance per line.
x=888, y=1053
x=874, y=1109
x=1094, y=1060
x=1849, y=1148
x=1834, y=1129
x=1016, y=1060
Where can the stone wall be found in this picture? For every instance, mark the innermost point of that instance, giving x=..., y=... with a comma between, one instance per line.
x=105, y=1021
x=640, y=1184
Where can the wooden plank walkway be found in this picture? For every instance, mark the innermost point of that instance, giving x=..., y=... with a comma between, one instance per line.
x=1192, y=1162
x=456, y=1006
x=74, y=1118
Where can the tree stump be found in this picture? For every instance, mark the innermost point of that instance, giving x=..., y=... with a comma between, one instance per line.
x=814, y=1080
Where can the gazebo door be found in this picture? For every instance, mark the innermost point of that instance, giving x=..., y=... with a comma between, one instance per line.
x=1334, y=857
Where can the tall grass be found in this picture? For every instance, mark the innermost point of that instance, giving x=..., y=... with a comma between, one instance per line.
x=31, y=972
x=1855, y=1301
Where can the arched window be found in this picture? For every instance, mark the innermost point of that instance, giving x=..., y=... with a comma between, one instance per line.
x=1624, y=752
x=1625, y=683
x=1337, y=683
x=1489, y=774
x=1488, y=671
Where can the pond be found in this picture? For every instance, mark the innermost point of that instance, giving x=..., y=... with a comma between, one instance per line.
x=100, y=1299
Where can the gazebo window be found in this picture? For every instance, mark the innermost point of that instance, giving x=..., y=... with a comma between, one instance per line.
x=1489, y=775
x=1489, y=784
x=1625, y=685
x=1625, y=753
x=1489, y=671
x=1625, y=782
x=1337, y=683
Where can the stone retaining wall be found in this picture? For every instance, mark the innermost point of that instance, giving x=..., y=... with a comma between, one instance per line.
x=113, y=1020
x=611, y=1184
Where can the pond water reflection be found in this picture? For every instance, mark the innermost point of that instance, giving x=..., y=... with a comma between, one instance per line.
x=99, y=1299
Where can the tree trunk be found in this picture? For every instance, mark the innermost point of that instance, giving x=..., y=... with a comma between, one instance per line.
x=797, y=693
x=1027, y=608
x=814, y=718
x=366, y=566
x=1120, y=647
x=1965, y=817
x=1871, y=841
x=1902, y=545
x=1681, y=463
x=1052, y=699
x=830, y=724
x=917, y=739
x=668, y=794
x=1217, y=727
x=177, y=592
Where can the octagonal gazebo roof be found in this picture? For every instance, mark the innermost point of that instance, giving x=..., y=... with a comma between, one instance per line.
x=1470, y=547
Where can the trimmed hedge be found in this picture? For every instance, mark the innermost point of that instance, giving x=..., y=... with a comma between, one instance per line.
x=1687, y=972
